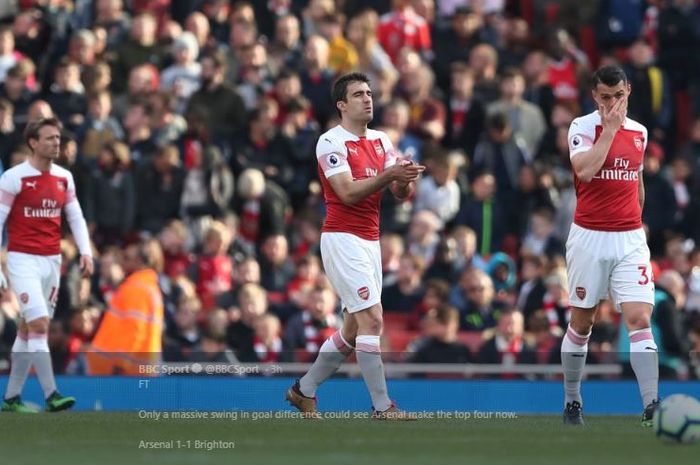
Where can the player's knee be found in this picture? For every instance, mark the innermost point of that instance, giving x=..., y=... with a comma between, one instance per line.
x=582, y=321
x=371, y=322
x=636, y=322
x=39, y=325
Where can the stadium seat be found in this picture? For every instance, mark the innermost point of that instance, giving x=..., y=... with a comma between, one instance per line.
x=396, y=321
x=399, y=339
x=471, y=339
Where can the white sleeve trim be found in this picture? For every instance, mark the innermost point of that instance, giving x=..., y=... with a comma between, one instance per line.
x=338, y=170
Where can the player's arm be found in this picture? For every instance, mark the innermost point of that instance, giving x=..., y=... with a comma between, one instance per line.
x=403, y=191
x=587, y=163
x=351, y=191
x=78, y=226
x=8, y=191
x=642, y=192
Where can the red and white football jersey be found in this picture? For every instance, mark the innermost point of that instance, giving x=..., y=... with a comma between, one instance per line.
x=403, y=29
x=340, y=151
x=35, y=200
x=610, y=202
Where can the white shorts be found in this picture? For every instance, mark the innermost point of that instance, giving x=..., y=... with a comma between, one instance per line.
x=34, y=279
x=608, y=263
x=354, y=268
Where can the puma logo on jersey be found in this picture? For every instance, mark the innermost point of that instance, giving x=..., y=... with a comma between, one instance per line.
x=31, y=184
x=352, y=151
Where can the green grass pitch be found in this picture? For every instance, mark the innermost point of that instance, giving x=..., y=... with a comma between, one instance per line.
x=103, y=438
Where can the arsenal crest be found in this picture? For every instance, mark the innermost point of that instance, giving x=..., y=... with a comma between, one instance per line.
x=581, y=292
x=639, y=143
x=363, y=292
x=378, y=148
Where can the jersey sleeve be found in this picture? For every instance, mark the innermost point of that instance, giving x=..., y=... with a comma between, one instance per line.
x=331, y=157
x=9, y=188
x=391, y=154
x=76, y=220
x=581, y=137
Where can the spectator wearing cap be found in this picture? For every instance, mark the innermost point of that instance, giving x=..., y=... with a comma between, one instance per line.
x=183, y=77
x=660, y=207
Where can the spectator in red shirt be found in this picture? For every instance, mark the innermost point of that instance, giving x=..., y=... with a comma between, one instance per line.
x=214, y=268
x=403, y=27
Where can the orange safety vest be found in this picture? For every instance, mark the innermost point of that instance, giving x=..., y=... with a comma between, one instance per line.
x=129, y=338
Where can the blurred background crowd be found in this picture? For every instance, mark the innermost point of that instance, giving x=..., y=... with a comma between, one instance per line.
x=190, y=130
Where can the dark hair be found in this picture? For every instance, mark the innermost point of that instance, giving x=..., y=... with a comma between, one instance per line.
x=218, y=58
x=609, y=76
x=286, y=73
x=444, y=314
x=497, y=121
x=511, y=73
x=33, y=127
x=340, y=87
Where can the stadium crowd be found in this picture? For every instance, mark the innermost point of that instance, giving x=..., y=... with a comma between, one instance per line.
x=191, y=126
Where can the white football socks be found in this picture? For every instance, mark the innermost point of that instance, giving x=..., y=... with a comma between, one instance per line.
x=574, y=349
x=644, y=359
x=21, y=363
x=332, y=354
x=369, y=357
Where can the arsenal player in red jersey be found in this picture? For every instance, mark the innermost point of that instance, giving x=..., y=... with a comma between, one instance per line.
x=355, y=165
x=606, y=252
x=32, y=196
